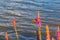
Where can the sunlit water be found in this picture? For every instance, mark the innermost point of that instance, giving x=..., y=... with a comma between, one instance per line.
x=24, y=11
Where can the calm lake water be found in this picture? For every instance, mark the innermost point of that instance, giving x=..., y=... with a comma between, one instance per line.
x=24, y=11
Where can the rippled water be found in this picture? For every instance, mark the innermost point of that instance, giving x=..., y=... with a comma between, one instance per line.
x=24, y=11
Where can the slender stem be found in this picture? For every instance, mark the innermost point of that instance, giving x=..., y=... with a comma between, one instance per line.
x=39, y=33
x=16, y=33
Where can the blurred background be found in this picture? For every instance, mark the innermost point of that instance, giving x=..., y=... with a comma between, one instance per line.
x=26, y=10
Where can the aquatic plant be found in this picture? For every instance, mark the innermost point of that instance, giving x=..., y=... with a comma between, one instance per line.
x=14, y=24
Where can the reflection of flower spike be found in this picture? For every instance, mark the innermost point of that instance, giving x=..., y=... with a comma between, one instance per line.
x=38, y=19
x=6, y=36
x=58, y=34
x=14, y=24
x=47, y=33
